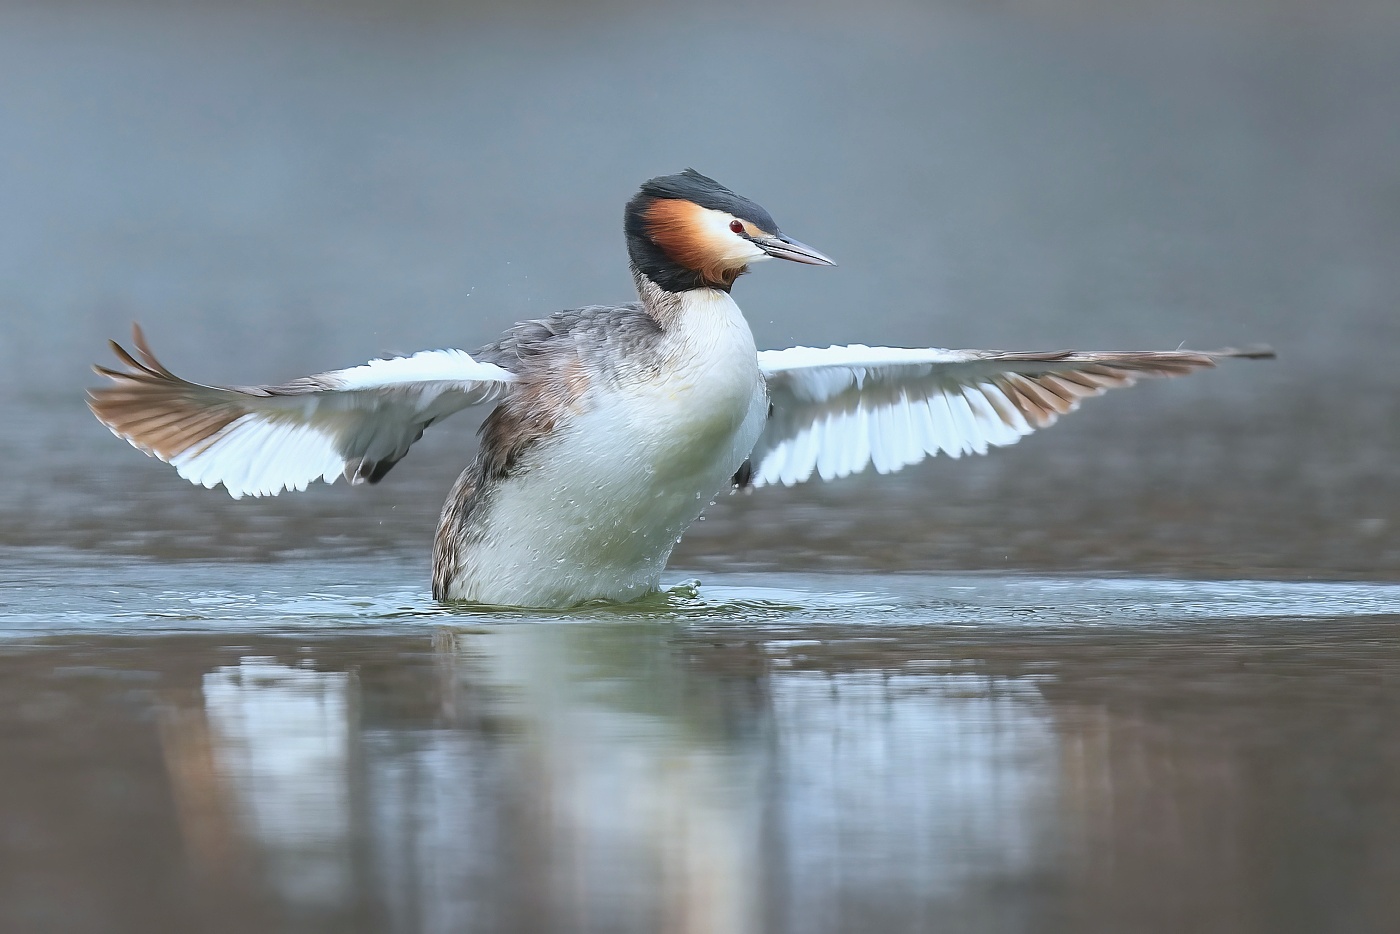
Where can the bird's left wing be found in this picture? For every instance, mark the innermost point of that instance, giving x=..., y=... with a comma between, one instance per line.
x=836, y=410
x=259, y=440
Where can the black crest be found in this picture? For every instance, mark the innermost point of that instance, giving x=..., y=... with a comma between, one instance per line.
x=699, y=189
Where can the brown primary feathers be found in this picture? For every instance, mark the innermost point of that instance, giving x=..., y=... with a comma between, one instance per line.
x=155, y=410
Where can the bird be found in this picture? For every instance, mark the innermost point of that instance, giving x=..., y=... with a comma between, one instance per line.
x=615, y=426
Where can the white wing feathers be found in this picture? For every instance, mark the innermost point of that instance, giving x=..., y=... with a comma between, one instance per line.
x=260, y=440
x=834, y=410
x=837, y=410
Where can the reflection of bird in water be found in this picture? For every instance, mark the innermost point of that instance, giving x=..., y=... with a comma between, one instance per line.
x=614, y=426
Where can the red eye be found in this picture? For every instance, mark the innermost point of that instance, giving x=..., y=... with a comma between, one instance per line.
x=736, y=226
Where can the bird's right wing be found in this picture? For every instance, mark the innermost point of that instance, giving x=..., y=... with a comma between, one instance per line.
x=260, y=440
x=836, y=410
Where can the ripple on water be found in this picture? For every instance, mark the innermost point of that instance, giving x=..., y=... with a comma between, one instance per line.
x=53, y=594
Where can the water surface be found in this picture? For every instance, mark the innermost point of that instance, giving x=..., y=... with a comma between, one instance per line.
x=318, y=746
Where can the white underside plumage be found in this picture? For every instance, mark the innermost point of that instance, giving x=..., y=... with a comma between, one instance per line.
x=594, y=511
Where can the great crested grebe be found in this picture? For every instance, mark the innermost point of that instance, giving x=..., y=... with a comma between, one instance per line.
x=615, y=425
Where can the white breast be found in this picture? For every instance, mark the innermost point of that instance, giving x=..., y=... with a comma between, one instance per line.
x=596, y=509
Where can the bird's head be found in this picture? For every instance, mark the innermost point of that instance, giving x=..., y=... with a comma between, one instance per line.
x=687, y=231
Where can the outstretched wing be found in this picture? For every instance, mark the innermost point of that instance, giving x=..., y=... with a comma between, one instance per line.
x=838, y=409
x=261, y=440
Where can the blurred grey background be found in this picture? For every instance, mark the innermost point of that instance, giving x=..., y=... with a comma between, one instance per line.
x=273, y=190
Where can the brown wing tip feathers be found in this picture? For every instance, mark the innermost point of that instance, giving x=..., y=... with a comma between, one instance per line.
x=153, y=409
